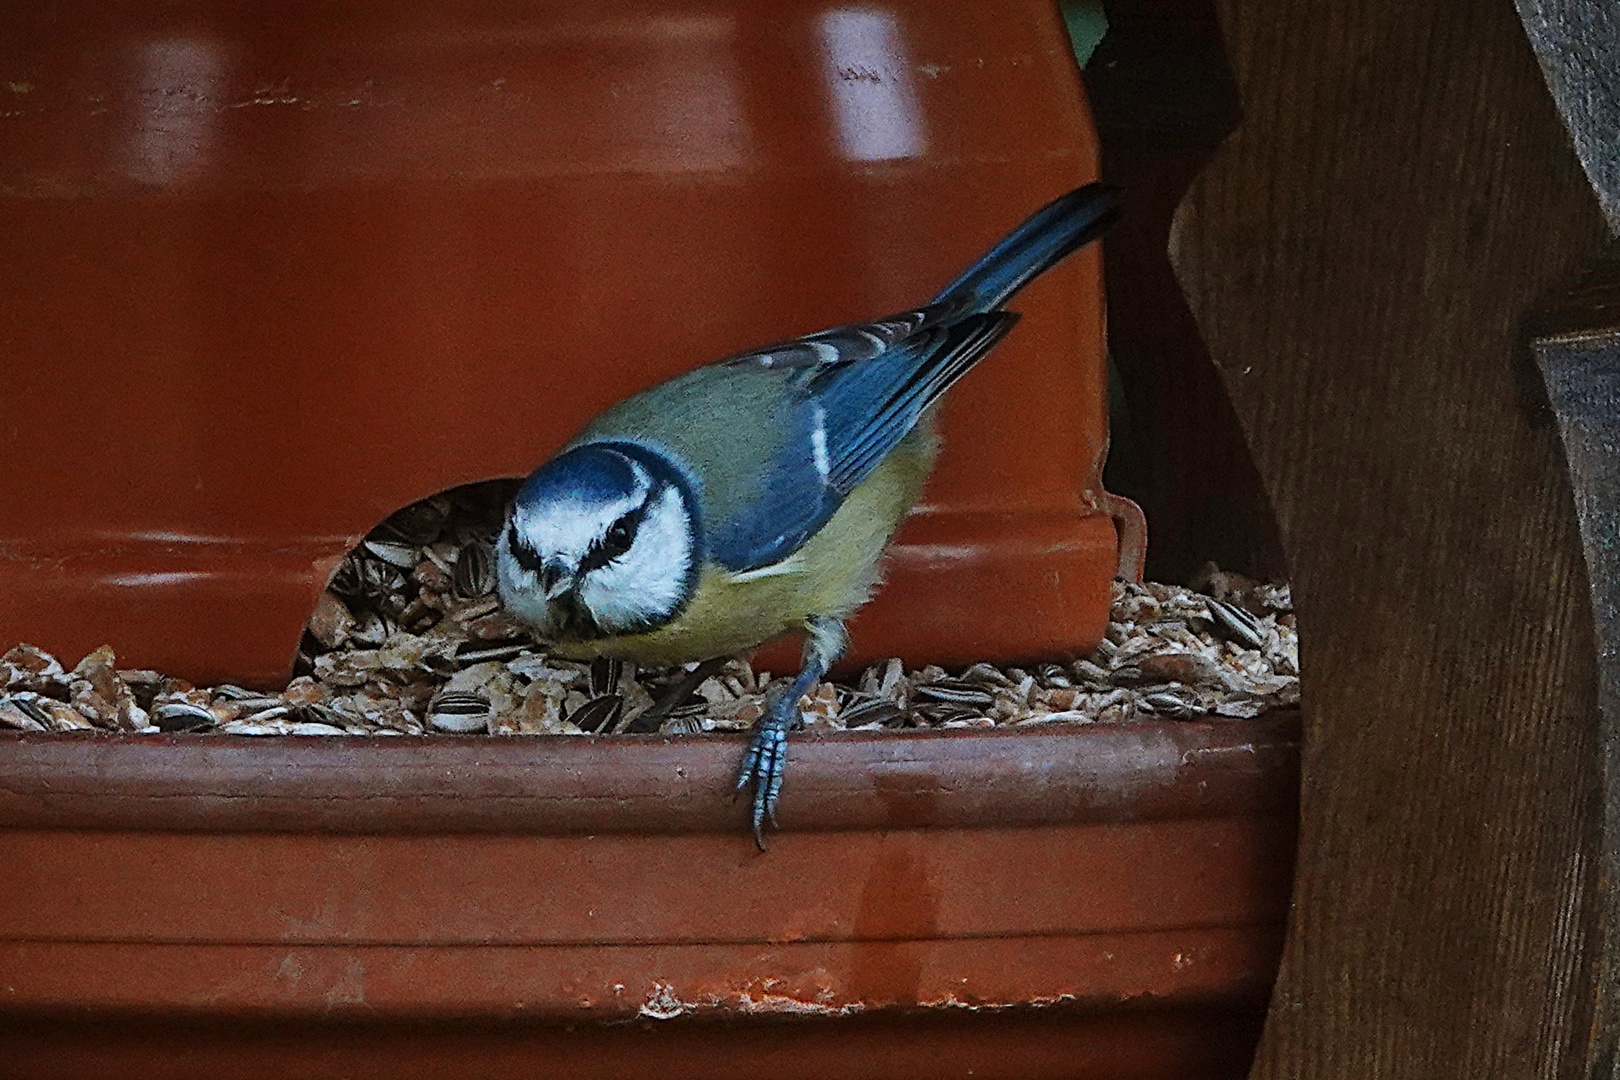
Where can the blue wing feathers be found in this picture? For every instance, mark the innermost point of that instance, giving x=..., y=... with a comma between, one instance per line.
x=867, y=386
x=794, y=501
x=864, y=410
x=1046, y=238
x=870, y=407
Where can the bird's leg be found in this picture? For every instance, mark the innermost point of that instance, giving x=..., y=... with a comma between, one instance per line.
x=766, y=759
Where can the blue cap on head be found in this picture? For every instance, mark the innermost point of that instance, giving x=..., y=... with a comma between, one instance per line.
x=587, y=474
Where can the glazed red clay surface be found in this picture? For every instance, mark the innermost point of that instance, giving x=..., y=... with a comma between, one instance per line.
x=272, y=277
x=578, y=878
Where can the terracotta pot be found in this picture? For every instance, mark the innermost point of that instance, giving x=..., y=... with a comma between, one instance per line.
x=1132, y=880
x=271, y=276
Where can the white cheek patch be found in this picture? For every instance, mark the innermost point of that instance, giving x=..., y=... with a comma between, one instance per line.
x=519, y=589
x=647, y=584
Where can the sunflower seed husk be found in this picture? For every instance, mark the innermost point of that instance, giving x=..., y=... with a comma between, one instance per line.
x=474, y=609
x=65, y=717
x=986, y=675
x=313, y=728
x=1236, y=625
x=509, y=651
x=598, y=713
x=315, y=712
x=14, y=716
x=956, y=692
x=33, y=706
x=414, y=642
x=605, y=675
x=1067, y=716
x=99, y=668
x=246, y=706
x=399, y=556
x=944, y=714
x=1125, y=675
x=1054, y=675
x=181, y=716
x=1243, y=708
x=232, y=692
x=243, y=727
x=1087, y=672
x=27, y=667
x=878, y=713
x=474, y=573
x=1174, y=704
x=459, y=711
x=332, y=621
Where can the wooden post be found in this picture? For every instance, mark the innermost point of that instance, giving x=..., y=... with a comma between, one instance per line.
x=1360, y=256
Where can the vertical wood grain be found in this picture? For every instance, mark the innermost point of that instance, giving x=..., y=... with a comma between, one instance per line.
x=1581, y=368
x=1360, y=255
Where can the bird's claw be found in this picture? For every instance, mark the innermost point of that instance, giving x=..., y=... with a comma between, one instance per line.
x=763, y=766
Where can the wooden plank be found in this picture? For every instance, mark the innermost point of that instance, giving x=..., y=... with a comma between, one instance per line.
x=1576, y=340
x=1359, y=256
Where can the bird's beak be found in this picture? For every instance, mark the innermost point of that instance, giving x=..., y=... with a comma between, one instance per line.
x=556, y=578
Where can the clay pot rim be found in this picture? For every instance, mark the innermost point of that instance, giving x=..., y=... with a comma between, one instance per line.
x=564, y=785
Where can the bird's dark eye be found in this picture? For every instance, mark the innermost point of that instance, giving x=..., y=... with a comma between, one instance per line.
x=619, y=538
x=615, y=542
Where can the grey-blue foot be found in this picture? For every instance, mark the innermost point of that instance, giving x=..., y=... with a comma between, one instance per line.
x=765, y=762
x=766, y=759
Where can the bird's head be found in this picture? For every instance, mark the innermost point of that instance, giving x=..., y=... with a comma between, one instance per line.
x=600, y=541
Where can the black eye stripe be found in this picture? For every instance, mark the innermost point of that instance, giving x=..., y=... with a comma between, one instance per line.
x=619, y=537
x=525, y=555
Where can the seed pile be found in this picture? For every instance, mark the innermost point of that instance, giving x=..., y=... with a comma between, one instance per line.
x=409, y=639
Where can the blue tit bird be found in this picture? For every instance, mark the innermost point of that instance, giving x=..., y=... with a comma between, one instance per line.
x=754, y=497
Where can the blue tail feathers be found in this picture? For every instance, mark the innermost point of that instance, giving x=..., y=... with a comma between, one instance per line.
x=1047, y=237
